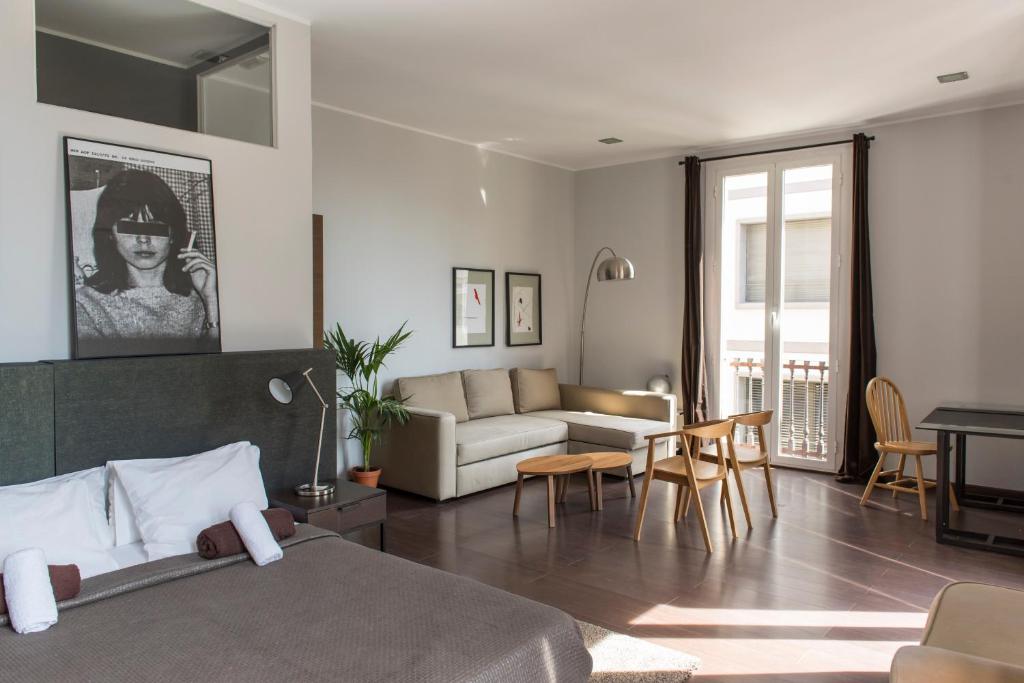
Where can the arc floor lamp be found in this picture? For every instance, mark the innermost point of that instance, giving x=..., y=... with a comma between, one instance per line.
x=613, y=268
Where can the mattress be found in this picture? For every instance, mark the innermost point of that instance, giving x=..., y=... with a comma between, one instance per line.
x=331, y=610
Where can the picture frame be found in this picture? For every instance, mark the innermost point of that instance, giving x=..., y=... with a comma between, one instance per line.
x=524, y=319
x=142, y=255
x=472, y=307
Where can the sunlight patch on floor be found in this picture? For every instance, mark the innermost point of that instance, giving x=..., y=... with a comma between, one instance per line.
x=696, y=616
x=731, y=656
x=767, y=655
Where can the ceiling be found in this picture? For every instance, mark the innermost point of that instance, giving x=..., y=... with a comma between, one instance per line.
x=545, y=79
x=170, y=31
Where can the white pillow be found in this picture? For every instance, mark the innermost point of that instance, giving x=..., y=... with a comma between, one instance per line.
x=64, y=516
x=122, y=517
x=96, y=481
x=173, y=499
x=123, y=524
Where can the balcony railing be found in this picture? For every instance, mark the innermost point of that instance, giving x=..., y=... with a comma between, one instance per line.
x=803, y=423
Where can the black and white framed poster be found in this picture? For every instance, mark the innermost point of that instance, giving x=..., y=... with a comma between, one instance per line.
x=142, y=251
x=472, y=307
x=522, y=309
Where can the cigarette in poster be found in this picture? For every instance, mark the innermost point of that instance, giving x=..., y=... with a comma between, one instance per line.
x=191, y=239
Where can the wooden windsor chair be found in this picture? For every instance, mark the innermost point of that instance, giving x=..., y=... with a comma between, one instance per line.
x=889, y=416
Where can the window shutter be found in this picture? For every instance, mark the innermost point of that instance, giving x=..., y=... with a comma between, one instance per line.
x=808, y=253
x=755, y=257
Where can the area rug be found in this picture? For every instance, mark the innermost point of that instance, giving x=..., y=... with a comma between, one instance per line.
x=619, y=658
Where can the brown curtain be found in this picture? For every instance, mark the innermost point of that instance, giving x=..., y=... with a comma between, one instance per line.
x=693, y=390
x=860, y=456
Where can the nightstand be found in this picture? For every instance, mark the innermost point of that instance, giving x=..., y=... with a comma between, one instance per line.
x=350, y=508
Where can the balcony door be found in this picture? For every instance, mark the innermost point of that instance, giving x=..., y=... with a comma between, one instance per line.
x=778, y=234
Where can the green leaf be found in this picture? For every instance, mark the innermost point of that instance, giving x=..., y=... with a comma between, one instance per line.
x=361, y=362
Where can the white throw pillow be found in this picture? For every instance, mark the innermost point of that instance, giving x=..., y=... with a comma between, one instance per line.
x=173, y=499
x=64, y=516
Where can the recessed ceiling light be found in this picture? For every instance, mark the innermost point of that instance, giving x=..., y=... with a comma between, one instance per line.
x=953, y=77
x=609, y=141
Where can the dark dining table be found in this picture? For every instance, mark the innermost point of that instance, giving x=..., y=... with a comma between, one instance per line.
x=957, y=421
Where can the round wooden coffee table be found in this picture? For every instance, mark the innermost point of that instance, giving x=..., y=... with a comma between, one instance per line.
x=552, y=466
x=606, y=462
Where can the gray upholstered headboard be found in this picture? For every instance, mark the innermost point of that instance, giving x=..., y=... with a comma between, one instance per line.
x=167, y=406
x=26, y=422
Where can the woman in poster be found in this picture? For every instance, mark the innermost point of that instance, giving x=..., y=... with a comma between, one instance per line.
x=152, y=291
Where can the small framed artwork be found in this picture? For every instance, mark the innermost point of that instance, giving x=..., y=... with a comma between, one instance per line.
x=142, y=254
x=523, y=322
x=472, y=307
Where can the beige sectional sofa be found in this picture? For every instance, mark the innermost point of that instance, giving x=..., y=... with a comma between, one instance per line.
x=468, y=429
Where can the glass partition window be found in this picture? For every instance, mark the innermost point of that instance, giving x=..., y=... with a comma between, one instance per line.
x=172, y=63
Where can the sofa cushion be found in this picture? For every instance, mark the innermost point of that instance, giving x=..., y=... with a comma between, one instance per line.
x=436, y=392
x=488, y=393
x=535, y=390
x=490, y=437
x=613, y=431
x=977, y=619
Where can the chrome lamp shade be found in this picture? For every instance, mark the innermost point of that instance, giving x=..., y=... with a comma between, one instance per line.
x=613, y=268
x=616, y=268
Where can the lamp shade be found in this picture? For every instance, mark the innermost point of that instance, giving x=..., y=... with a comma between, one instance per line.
x=616, y=268
x=284, y=388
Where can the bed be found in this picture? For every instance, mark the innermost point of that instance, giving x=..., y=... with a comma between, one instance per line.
x=329, y=610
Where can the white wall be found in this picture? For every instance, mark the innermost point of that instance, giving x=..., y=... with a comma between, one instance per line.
x=947, y=237
x=634, y=328
x=262, y=200
x=402, y=208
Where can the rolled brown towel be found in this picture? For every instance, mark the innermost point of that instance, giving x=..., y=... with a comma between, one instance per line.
x=65, y=579
x=221, y=540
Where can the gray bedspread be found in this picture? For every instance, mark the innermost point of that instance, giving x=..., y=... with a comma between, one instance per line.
x=331, y=610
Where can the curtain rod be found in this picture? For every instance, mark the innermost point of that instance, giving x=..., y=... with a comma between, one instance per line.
x=781, y=149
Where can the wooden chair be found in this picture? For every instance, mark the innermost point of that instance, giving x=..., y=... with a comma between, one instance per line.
x=690, y=473
x=889, y=416
x=746, y=457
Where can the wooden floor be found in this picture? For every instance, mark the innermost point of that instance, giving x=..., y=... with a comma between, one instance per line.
x=828, y=592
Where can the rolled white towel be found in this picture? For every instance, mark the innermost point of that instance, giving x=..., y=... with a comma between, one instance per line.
x=256, y=534
x=30, y=602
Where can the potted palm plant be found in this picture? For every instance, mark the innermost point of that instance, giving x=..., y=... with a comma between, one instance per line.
x=372, y=414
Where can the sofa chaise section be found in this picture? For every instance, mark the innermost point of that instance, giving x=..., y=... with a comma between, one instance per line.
x=615, y=420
